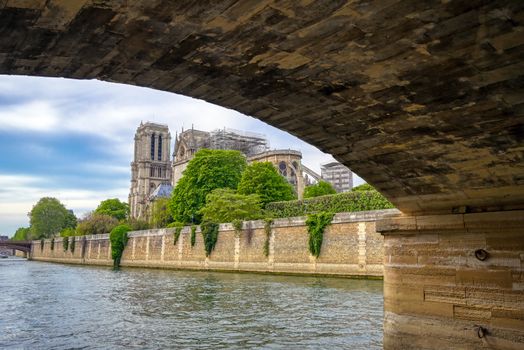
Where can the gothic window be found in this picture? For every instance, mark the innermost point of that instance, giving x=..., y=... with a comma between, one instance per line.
x=282, y=167
x=159, y=147
x=153, y=147
x=151, y=170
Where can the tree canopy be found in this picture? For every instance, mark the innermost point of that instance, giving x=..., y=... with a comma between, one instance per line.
x=113, y=207
x=321, y=188
x=225, y=205
x=208, y=170
x=22, y=234
x=48, y=217
x=263, y=179
x=160, y=214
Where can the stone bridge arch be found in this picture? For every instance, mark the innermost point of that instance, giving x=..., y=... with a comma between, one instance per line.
x=421, y=99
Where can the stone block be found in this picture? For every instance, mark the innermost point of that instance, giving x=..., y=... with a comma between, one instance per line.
x=472, y=313
x=485, y=278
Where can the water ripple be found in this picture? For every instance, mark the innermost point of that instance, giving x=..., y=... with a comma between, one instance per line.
x=50, y=306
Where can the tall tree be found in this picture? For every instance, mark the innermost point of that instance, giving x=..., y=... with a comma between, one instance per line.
x=22, y=234
x=160, y=214
x=321, y=188
x=113, y=207
x=263, y=179
x=209, y=169
x=48, y=217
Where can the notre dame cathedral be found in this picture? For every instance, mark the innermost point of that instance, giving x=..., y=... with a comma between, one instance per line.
x=154, y=172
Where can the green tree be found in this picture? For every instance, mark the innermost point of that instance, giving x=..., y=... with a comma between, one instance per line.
x=263, y=179
x=208, y=170
x=160, y=214
x=225, y=205
x=363, y=188
x=48, y=217
x=113, y=207
x=94, y=224
x=118, y=238
x=22, y=234
x=321, y=188
x=68, y=232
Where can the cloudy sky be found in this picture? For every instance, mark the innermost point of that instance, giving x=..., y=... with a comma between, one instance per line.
x=73, y=139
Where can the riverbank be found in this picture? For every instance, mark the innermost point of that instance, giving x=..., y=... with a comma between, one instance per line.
x=351, y=248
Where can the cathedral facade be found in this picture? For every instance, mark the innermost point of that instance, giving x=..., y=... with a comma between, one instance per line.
x=151, y=166
x=154, y=174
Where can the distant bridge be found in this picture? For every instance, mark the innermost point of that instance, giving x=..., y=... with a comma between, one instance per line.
x=24, y=246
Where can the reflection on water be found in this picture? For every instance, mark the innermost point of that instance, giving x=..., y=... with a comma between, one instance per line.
x=49, y=306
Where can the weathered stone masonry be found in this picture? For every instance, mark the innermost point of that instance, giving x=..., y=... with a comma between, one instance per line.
x=351, y=247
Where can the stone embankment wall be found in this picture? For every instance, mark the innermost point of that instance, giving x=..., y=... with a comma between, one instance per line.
x=351, y=247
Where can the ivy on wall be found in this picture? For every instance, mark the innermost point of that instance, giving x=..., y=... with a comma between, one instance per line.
x=267, y=229
x=118, y=238
x=42, y=244
x=237, y=225
x=52, y=244
x=72, y=245
x=316, y=224
x=65, y=243
x=193, y=235
x=210, y=235
x=176, y=234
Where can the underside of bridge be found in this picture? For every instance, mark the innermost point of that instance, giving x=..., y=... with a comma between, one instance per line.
x=423, y=99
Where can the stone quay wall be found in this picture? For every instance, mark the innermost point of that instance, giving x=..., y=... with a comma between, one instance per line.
x=351, y=247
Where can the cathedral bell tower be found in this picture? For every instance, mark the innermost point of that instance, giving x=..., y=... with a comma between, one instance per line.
x=151, y=166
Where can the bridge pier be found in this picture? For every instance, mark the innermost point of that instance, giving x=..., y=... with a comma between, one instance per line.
x=454, y=281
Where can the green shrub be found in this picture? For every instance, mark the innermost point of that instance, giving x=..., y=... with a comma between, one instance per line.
x=118, y=237
x=52, y=244
x=237, y=225
x=193, y=235
x=210, y=235
x=65, y=243
x=336, y=203
x=316, y=224
x=225, y=205
x=267, y=229
x=42, y=242
x=363, y=188
x=72, y=245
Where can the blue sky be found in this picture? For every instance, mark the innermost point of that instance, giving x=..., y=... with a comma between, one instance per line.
x=73, y=139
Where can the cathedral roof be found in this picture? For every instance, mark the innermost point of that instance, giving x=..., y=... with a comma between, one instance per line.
x=162, y=191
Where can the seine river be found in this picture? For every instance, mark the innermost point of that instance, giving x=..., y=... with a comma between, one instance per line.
x=51, y=306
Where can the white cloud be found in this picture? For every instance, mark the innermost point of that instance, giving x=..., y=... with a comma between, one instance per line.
x=33, y=116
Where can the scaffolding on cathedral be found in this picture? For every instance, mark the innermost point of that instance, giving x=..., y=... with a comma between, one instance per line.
x=249, y=143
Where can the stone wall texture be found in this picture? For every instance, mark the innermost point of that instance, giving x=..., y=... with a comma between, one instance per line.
x=437, y=293
x=351, y=247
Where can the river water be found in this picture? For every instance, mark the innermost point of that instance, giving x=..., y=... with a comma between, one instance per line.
x=51, y=306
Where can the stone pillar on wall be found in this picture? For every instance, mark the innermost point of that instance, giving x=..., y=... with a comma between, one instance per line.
x=454, y=281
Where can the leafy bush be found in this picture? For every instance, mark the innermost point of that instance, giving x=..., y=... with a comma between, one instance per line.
x=118, y=238
x=263, y=179
x=42, y=242
x=208, y=170
x=72, y=245
x=52, y=244
x=95, y=224
x=322, y=188
x=137, y=224
x=316, y=224
x=336, y=203
x=67, y=232
x=210, y=235
x=224, y=205
x=363, y=188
